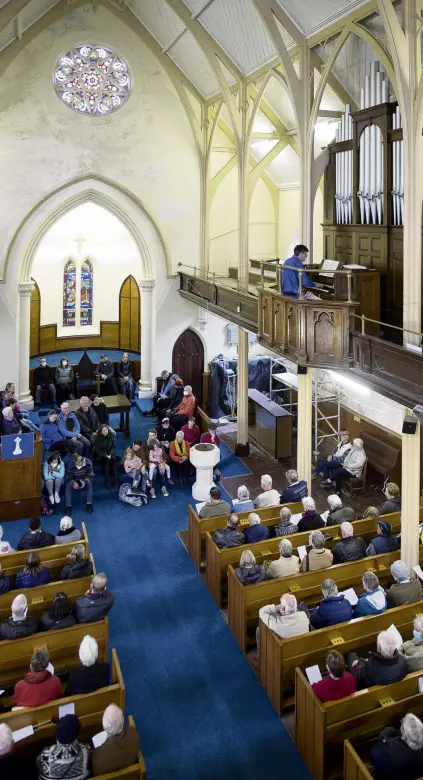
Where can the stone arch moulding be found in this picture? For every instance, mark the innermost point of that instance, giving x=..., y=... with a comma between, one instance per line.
x=115, y=199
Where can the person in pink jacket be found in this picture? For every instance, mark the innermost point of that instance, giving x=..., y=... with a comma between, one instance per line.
x=134, y=468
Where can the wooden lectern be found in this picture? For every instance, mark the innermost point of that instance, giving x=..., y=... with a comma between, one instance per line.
x=20, y=486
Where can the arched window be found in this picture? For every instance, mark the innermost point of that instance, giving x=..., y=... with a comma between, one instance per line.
x=86, y=304
x=69, y=294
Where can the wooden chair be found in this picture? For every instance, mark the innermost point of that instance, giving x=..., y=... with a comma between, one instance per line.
x=198, y=527
x=354, y=769
x=353, y=486
x=218, y=560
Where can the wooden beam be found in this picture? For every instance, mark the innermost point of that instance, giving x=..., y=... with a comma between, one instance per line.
x=10, y=11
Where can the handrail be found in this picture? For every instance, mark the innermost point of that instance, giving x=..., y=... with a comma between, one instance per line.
x=214, y=276
x=365, y=319
x=300, y=272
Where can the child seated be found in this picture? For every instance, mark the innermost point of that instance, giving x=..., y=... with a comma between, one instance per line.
x=157, y=460
x=134, y=468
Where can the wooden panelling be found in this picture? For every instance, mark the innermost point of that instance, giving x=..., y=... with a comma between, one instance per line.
x=108, y=338
x=20, y=486
x=34, y=336
x=129, y=316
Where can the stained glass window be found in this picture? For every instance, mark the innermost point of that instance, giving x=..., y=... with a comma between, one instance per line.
x=69, y=294
x=86, y=305
x=92, y=80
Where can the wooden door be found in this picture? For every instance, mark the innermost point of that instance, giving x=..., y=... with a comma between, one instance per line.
x=35, y=314
x=188, y=361
x=129, y=316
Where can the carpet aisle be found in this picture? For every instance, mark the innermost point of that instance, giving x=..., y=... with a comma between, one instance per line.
x=198, y=706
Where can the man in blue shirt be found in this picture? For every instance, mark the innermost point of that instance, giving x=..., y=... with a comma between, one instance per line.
x=290, y=278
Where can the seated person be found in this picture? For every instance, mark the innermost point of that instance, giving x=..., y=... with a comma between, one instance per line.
x=310, y=520
x=35, y=537
x=338, y=683
x=373, y=600
x=79, y=475
x=19, y=624
x=336, y=458
x=44, y=380
x=97, y=601
x=106, y=370
x=100, y=409
x=230, y=536
x=67, y=532
x=13, y=763
x=179, y=456
x=393, y=499
x=398, y=753
x=297, y=488
x=63, y=377
x=371, y=512
x=318, y=557
x=412, y=650
x=78, y=566
x=104, y=451
x=176, y=394
x=53, y=439
x=211, y=436
x=290, y=278
x=135, y=467
x=5, y=547
x=383, y=667
x=166, y=434
x=338, y=513
x=68, y=758
x=243, y=502
x=165, y=382
x=9, y=424
x=215, y=506
x=352, y=548
x=88, y=420
x=59, y=614
x=53, y=475
x=286, y=564
x=92, y=674
x=191, y=432
x=158, y=466
x=121, y=746
x=39, y=686
x=33, y=574
x=22, y=417
x=255, y=531
x=8, y=393
x=334, y=608
x=5, y=584
x=125, y=378
x=353, y=465
x=286, y=526
x=284, y=618
x=407, y=588
x=248, y=571
x=383, y=542
x=270, y=496
x=184, y=410
x=69, y=429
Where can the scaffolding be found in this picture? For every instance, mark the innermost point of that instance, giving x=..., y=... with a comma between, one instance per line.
x=284, y=383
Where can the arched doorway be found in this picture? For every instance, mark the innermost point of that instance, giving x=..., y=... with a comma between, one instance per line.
x=129, y=316
x=188, y=361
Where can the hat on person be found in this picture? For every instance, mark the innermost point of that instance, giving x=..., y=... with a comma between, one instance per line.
x=385, y=527
x=67, y=729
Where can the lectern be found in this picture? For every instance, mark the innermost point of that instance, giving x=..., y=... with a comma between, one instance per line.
x=20, y=486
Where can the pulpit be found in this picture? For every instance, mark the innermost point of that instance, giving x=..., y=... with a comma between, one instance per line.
x=20, y=486
x=204, y=457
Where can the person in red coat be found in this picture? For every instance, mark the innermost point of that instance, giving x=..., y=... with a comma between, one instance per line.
x=338, y=683
x=39, y=686
x=185, y=410
x=211, y=436
x=191, y=432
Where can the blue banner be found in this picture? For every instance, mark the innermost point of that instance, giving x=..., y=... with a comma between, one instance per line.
x=17, y=446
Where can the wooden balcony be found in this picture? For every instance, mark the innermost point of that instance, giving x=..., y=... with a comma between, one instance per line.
x=309, y=332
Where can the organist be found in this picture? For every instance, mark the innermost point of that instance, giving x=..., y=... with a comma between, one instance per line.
x=290, y=277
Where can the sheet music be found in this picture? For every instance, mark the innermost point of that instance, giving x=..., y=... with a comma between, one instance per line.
x=26, y=731
x=355, y=267
x=329, y=265
x=302, y=551
x=313, y=674
x=324, y=515
x=67, y=709
x=99, y=739
x=393, y=631
x=296, y=518
x=351, y=595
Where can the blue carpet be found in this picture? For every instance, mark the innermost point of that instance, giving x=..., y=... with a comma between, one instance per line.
x=75, y=356
x=199, y=709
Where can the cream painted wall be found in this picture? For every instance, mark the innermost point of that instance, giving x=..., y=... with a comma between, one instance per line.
x=317, y=227
x=289, y=221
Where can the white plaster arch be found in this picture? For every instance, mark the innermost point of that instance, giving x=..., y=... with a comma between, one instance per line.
x=110, y=196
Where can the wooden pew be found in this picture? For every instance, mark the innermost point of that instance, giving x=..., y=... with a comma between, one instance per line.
x=62, y=646
x=245, y=601
x=217, y=560
x=54, y=557
x=198, y=527
x=320, y=728
x=280, y=657
x=135, y=772
x=354, y=769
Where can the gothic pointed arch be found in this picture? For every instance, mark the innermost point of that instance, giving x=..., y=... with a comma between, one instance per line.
x=129, y=316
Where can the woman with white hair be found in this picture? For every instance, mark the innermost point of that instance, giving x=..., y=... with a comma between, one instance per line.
x=286, y=526
x=284, y=618
x=179, y=455
x=407, y=587
x=248, y=571
x=373, y=600
x=243, y=502
x=338, y=513
x=412, y=650
x=286, y=564
x=256, y=532
x=14, y=764
x=310, y=520
x=398, y=753
x=383, y=667
x=67, y=532
x=353, y=465
x=269, y=496
x=91, y=675
x=5, y=547
x=121, y=746
x=318, y=557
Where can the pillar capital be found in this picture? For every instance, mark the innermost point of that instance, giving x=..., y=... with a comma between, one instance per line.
x=147, y=285
x=26, y=289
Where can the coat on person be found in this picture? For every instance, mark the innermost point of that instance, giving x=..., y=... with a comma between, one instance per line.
x=68, y=425
x=352, y=548
x=48, y=623
x=9, y=427
x=284, y=566
x=58, y=473
x=294, y=493
x=33, y=540
x=390, y=505
x=32, y=579
x=228, y=537
x=71, y=534
x=354, y=462
x=117, y=752
x=382, y=543
x=93, y=606
x=50, y=434
x=286, y=529
x=74, y=473
x=401, y=593
x=371, y=602
x=5, y=584
x=393, y=759
x=75, y=570
x=341, y=515
x=218, y=508
x=35, y=689
x=310, y=521
x=377, y=670
x=13, y=629
x=105, y=446
x=256, y=533
x=412, y=651
x=332, y=610
x=88, y=422
x=87, y=679
x=331, y=689
x=250, y=575
x=285, y=626
x=267, y=498
x=316, y=560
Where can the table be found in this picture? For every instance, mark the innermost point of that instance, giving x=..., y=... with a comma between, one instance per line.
x=269, y=425
x=115, y=403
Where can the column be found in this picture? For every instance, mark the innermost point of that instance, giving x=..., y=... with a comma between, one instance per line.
x=242, y=446
x=25, y=291
x=146, y=389
x=304, y=424
x=410, y=497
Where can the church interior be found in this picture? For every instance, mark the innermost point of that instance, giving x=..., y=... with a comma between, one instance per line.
x=211, y=389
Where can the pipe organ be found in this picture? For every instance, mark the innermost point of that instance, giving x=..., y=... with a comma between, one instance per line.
x=364, y=190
